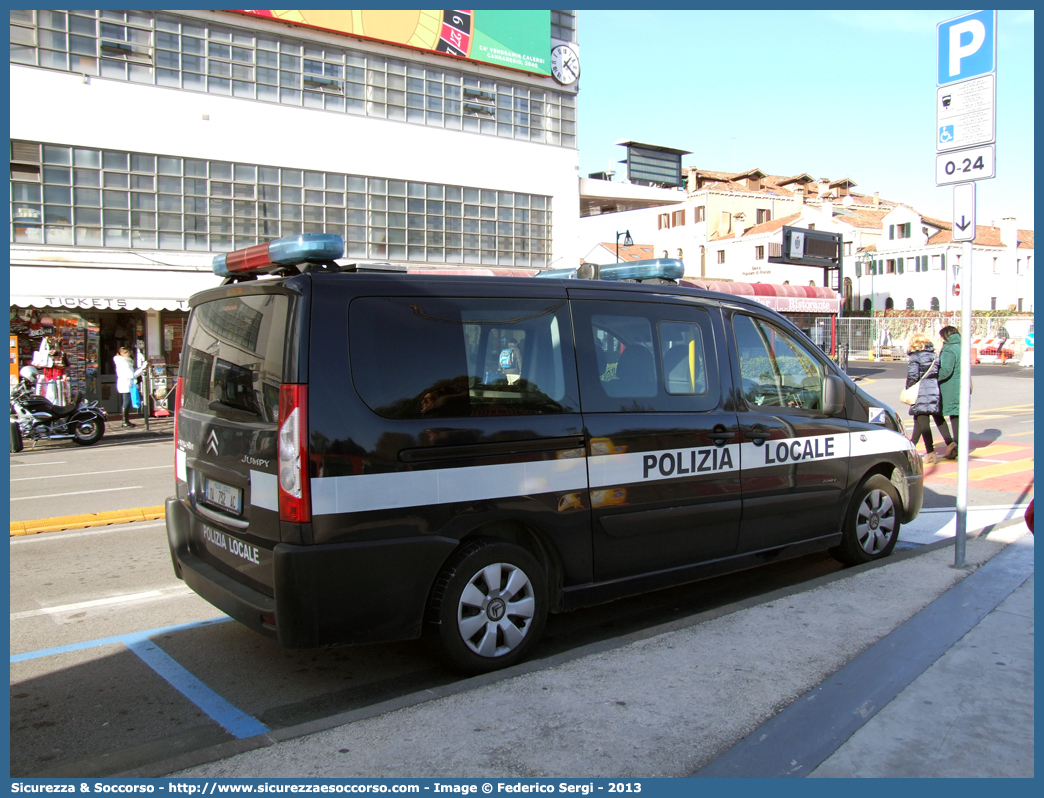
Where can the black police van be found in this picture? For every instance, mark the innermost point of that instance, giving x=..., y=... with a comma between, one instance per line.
x=365, y=455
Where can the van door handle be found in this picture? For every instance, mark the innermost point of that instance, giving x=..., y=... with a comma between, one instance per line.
x=758, y=435
x=720, y=435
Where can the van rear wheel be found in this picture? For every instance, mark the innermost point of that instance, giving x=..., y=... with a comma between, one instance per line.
x=488, y=607
x=872, y=523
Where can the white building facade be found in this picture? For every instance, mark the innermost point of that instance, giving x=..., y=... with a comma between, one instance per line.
x=728, y=227
x=144, y=142
x=916, y=265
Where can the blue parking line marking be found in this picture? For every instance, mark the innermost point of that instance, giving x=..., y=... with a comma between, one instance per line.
x=108, y=641
x=234, y=720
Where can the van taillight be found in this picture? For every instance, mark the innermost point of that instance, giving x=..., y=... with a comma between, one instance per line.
x=294, y=500
x=178, y=399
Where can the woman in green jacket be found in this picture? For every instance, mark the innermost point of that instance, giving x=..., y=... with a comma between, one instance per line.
x=950, y=382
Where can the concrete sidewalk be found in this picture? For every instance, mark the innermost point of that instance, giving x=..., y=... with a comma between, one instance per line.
x=158, y=427
x=115, y=433
x=910, y=667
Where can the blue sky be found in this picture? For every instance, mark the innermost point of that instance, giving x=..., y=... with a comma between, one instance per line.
x=830, y=93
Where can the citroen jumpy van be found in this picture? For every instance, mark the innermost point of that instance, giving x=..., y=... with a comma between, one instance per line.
x=365, y=455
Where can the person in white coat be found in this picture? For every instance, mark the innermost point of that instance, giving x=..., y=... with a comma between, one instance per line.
x=126, y=373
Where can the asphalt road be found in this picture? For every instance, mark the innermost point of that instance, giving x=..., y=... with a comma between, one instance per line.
x=87, y=694
x=1001, y=431
x=98, y=705
x=59, y=480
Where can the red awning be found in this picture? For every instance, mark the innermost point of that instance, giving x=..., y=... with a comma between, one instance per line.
x=782, y=298
x=472, y=271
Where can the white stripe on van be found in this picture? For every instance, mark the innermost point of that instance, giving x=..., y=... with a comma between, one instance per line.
x=879, y=441
x=264, y=490
x=795, y=450
x=180, y=472
x=474, y=483
x=355, y=494
x=624, y=469
x=665, y=464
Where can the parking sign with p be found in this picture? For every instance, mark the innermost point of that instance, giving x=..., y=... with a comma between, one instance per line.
x=967, y=47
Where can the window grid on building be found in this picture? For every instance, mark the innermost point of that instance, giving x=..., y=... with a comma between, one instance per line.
x=193, y=55
x=563, y=25
x=76, y=196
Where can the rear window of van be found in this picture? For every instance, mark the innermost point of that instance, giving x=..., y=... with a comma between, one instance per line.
x=232, y=362
x=448, y=357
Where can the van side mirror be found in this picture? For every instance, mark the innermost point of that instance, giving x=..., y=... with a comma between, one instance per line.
x=833, y=395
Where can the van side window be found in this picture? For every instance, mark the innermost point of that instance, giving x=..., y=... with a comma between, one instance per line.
x=421, y=357
x=644, y=357
x=777, y=371
x=681, y=350
x=626, y=347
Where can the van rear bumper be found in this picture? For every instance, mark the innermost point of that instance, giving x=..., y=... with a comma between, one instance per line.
x=331, y=594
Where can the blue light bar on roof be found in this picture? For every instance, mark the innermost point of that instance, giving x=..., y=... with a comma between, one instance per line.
x=288, y=251
x=306, y=248
x=667, y=268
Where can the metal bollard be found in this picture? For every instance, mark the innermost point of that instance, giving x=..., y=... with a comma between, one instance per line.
x=146, y=399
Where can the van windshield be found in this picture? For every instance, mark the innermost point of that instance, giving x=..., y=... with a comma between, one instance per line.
x=232, y=362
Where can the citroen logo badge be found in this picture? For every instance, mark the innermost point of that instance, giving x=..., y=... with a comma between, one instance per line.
x=212, y=443
x=496, y=609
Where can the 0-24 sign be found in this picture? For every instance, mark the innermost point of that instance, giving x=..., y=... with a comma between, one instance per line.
x=960, y=166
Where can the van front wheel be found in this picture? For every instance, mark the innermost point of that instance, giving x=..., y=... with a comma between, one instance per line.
x=488, y=607
x=872, y=524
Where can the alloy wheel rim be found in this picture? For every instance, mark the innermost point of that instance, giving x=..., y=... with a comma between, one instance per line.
x=496, y=609
x=875, y=521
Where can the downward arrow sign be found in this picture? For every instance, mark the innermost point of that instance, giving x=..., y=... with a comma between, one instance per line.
x=964, y=209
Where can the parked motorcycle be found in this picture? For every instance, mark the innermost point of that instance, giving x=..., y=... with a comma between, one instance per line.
x=37, y=418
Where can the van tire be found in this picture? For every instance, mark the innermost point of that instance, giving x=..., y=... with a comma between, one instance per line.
x=469, y=625
x=871, y=524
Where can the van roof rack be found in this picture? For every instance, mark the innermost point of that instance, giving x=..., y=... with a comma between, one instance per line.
x=384, y=268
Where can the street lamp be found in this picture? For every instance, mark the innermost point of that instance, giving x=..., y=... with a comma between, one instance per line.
x=627, y=242
x=864, y=262
x=865, y=259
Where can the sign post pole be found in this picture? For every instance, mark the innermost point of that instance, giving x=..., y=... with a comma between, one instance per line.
x=966, y=134
x=964, y=411
x=964, y=226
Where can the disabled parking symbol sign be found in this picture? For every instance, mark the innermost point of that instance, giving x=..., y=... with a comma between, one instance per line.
x=945, y=134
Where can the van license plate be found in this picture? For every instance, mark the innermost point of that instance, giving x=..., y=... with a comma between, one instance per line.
x=224, y=496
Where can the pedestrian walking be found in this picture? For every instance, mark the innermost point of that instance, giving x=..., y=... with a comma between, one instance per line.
x=126, y=374
x=950, y=382
x=923, y=368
